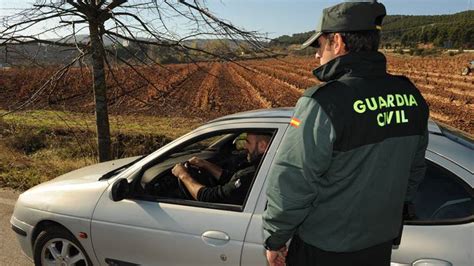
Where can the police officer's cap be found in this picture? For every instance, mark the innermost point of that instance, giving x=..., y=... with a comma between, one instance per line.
x=348, y=17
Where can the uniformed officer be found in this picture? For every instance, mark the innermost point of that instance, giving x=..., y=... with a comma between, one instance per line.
x=353, y=153
x=232, y=187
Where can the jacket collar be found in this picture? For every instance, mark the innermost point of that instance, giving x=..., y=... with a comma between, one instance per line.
x=359, y=64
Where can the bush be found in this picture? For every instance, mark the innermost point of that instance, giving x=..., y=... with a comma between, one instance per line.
x=27, y=141
x=416, y=51
x=3, y=127
x=430, y=52
x=133, y=145
x=399, y=51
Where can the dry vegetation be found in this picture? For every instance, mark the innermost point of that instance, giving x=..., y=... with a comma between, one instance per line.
x=43, y=144
x=36, y=146
x=209, y=90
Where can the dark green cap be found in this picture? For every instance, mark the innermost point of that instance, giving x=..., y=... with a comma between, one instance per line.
x=347, y=17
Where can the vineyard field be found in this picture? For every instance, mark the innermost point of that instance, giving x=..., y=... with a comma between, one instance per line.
x=210, y=90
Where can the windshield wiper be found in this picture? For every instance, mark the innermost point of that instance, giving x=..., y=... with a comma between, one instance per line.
x=118, y=170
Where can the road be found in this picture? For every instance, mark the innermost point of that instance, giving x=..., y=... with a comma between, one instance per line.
x=10, y=253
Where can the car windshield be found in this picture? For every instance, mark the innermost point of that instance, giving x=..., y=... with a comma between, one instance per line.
x=120, y=169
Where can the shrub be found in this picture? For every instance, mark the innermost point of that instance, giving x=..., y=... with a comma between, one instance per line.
x=416, y=51
x=399, y=51
x=430, y=52
x=133, y=145
x=27, y=141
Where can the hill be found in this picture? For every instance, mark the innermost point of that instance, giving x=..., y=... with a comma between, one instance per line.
x=447, y=31
x=201, y=50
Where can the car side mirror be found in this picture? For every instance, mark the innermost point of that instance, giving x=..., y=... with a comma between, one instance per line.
x=120, y=189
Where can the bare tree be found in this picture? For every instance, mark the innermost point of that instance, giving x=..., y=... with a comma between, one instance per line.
x=156, y=23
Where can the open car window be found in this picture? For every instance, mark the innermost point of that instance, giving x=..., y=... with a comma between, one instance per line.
x=225, y=148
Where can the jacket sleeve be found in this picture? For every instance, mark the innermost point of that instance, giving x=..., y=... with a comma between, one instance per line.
x=418, y=167
x=233, y=192
x=215, y=194
x=302, y=158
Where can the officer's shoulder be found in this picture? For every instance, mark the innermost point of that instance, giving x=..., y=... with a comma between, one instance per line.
x=311, y=92
x=403, y=78
x=408, y=84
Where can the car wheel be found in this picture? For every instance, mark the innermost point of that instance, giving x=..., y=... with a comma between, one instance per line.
x=56, y=246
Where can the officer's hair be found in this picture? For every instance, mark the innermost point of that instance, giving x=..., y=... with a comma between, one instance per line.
x=359, y=41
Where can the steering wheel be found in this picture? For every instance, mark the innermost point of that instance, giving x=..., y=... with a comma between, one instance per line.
x=199, y=175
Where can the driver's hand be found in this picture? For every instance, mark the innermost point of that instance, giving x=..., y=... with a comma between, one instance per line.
x=196, y=161
x=179, y=170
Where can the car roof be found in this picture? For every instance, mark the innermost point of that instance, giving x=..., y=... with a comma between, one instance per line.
x=457, y=150
x=452, y=146
x=283, y=112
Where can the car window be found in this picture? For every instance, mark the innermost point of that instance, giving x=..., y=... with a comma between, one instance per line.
x=225, y=149
x=442, y=196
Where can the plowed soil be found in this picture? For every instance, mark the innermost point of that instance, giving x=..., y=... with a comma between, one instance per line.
x=210, y=90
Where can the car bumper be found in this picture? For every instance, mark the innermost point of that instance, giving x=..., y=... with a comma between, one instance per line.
x=23, y=232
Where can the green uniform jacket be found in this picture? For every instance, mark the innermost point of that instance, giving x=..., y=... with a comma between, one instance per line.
x=354, y=152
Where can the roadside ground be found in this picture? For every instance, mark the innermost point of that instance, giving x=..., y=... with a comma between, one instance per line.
x=10, y=252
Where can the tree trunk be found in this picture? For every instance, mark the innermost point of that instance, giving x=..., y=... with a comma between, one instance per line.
x=100, y=93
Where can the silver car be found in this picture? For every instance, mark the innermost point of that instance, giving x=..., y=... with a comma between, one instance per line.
x=134, y=212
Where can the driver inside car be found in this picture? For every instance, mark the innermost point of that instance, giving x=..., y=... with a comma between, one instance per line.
x=239, y=182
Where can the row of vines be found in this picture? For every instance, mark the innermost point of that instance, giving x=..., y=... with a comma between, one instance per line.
x=209, y=90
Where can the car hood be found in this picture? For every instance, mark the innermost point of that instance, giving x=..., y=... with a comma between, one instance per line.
x=91, y=172
x=74, y=193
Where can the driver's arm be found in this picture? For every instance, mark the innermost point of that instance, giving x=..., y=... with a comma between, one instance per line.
x=214, y=170
x=192, y=185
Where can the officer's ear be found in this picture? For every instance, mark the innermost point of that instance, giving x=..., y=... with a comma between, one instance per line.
x=338, y=44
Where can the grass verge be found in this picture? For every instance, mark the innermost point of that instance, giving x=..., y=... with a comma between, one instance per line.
x=36, y=146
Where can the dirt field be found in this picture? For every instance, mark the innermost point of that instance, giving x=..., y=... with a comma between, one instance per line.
x=209, y=90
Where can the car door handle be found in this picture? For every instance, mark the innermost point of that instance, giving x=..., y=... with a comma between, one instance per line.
x=431, y=262
x=215, y=238
x=424, y=262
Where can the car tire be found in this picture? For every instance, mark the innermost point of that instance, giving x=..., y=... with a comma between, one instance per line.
x=58, y=246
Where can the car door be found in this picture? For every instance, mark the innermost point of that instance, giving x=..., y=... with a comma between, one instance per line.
x=443, y=231
x=137, y=231
x=440, y=241
x=253, y=252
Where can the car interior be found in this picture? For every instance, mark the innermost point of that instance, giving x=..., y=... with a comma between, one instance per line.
x=225, y=149
x=442, y=196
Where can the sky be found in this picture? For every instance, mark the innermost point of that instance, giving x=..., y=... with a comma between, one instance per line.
x=280, y=17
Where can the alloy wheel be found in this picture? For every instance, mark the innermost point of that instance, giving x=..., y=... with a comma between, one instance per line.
x=62, y=252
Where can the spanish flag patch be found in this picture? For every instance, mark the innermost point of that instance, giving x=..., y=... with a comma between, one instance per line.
x=295, y=122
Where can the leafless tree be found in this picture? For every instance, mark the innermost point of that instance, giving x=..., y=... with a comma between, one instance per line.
x=155, y=23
